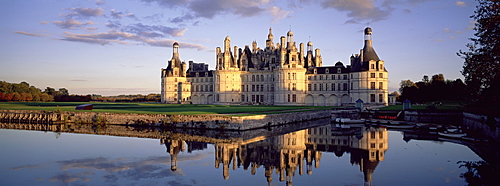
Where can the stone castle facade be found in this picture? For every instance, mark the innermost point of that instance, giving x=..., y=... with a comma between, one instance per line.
x=279, y=74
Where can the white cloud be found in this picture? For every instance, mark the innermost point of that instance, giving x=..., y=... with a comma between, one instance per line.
x=359, y=10
x=29, y=34
x=84, y=12
x=278, y=13
x=460, y=3
x=125, y=38
x=118, y=15
x=196, y=9
x=72, y=24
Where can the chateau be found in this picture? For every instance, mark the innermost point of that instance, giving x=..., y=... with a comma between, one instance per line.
x=279, y=74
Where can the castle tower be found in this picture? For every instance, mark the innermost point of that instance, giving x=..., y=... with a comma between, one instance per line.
x=269, y=41
x=173, y=78
x=368, y=51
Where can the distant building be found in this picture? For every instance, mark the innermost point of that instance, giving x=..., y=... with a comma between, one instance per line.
x=279, y=74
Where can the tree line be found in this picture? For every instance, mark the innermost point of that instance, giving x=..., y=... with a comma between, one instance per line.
x=25, y=92
x=434, y=89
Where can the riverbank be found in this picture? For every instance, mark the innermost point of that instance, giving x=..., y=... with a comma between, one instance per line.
x=156, y=108
x=203, y=121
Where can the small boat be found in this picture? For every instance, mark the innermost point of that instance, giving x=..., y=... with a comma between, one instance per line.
x=452, y=135
x=351, y=121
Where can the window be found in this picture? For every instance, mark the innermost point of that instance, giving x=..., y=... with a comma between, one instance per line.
x=372, y=145
x=345, y=76
x=320, y=77
x=372, y=75
x=289, y=76
x=262, y=88
x=380, y=75
x=294, y=86
x=381, y=67
x=326, y=86
x=380, y=98
x=381, y=135
x=333, y=86
x=372, y=136
x=372, y=98
x=372, y=85
x=253, y=78
x=261, y=77
x=294, y=98
x=288, y=97
x=253, y=88
x=253, y=98
x=320, y=87
x=372, y=66
x=381, y=85
x=243, y=88
x=339, y=70
x=338, y=86
x=308, y=87
x=352, y=86
x=333, y=77
x=242, y=98
x=345, y=86
x=314, y=87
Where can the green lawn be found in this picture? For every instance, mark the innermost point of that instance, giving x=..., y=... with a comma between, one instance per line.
x=155, y=108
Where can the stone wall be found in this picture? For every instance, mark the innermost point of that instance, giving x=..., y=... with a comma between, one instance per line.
x=482, y=125
x=223, y=122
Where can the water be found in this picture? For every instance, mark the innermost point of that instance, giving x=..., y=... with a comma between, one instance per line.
x=314, y=155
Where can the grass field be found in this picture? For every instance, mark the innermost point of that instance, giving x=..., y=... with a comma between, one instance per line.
x=155, y=108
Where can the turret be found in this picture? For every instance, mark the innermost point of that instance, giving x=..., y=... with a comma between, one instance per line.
x=368, y=52
x=227, y=44
x=290, y=40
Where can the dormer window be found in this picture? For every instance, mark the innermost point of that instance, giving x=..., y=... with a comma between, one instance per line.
x=339, y=70
x=327, y=71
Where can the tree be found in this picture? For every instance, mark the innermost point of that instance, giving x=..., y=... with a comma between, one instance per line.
x=16, y=97
x=63, y=92
x=482, y=62
x=50, y=91
x=405, y=83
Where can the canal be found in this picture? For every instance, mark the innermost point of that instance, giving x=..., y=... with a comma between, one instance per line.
x=315, y=153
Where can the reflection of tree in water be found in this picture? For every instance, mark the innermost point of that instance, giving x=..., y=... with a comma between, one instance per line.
x=479, y=173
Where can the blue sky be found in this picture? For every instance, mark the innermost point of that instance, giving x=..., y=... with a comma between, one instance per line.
x=119, y=46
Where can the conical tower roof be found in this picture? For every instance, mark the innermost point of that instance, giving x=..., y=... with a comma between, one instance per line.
x=368, y=51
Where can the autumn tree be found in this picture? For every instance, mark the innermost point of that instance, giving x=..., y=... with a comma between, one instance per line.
x=481, y=67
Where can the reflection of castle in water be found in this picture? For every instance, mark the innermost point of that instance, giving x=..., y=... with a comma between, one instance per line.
x=286, y=154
